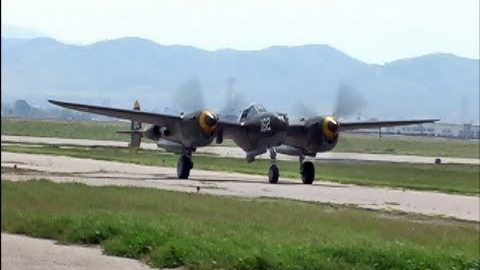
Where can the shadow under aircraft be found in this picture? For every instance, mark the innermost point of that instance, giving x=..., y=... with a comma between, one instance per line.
x=256, y=131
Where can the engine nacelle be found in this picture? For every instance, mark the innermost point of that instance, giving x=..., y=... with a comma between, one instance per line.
x=207, y=121
x=154, y=132
x=196, y=129
x=170, y=146
x=320, y=134
x=330, y=127
x=289, y=150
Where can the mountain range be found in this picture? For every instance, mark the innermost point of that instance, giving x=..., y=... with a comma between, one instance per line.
x=297, y=80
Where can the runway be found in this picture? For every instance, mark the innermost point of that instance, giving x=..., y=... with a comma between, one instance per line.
x=96, y=172
x=239, y=153
x=26, y=253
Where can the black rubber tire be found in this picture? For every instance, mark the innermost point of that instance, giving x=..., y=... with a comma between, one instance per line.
x=273, y=174
x=184, y=165
x=308, y=172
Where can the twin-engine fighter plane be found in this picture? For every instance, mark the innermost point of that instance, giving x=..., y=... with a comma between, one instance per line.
x=260, y=130
x=256, y=132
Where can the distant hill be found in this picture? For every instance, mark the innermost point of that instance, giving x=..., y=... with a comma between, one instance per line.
x=17, y=31
x=116, y=72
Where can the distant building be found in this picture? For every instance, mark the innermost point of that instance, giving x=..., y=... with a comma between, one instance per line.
x=459, y=131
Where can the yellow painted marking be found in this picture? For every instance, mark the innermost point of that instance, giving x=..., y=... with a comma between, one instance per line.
x=203, y=123
x=325, y=129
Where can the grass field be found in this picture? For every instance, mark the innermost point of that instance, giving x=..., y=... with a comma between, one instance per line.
x=170, y=229
x=446, y=177
x=403, y=145
x=347, y=143
x=65, y=129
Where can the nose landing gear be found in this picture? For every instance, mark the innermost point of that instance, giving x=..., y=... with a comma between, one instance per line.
x=273, y=172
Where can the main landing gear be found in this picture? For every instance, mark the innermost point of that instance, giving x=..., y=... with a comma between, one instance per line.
x=184, y=165
x=273, y=172
x=307, y=170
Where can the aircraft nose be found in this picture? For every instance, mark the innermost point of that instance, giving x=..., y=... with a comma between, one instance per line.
x=270, y=124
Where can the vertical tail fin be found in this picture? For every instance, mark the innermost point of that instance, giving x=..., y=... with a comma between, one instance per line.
x=136, y=128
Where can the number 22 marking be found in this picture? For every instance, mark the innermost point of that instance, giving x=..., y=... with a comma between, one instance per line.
x=265, y=124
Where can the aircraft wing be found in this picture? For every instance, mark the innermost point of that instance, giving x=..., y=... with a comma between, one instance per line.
x=344, y=126
x=229, y=128
x=146, y=117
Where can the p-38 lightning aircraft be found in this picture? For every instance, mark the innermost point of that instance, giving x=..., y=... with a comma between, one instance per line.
x=256, y=132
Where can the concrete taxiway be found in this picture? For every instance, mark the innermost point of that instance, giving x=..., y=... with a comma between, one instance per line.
x=95, y=172
x=236, y=152
x=25, y=253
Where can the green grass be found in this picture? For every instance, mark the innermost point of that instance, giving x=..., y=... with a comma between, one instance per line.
x=348, y=142
x=446, y=177
x=170, y=229
x=94, y=130
x=403, y=145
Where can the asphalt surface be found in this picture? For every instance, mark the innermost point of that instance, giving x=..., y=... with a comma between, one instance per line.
x=25, y=253
x=21, y=252
x=96, y=172
x=239, y=153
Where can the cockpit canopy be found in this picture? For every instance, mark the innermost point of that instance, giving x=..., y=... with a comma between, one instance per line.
x=250, y=111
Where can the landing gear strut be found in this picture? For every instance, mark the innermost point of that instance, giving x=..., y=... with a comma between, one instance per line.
x=184, y=165
x=307, y=171
x=273, y=172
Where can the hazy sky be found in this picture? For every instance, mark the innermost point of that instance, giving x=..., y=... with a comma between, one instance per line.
x=374, y=31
